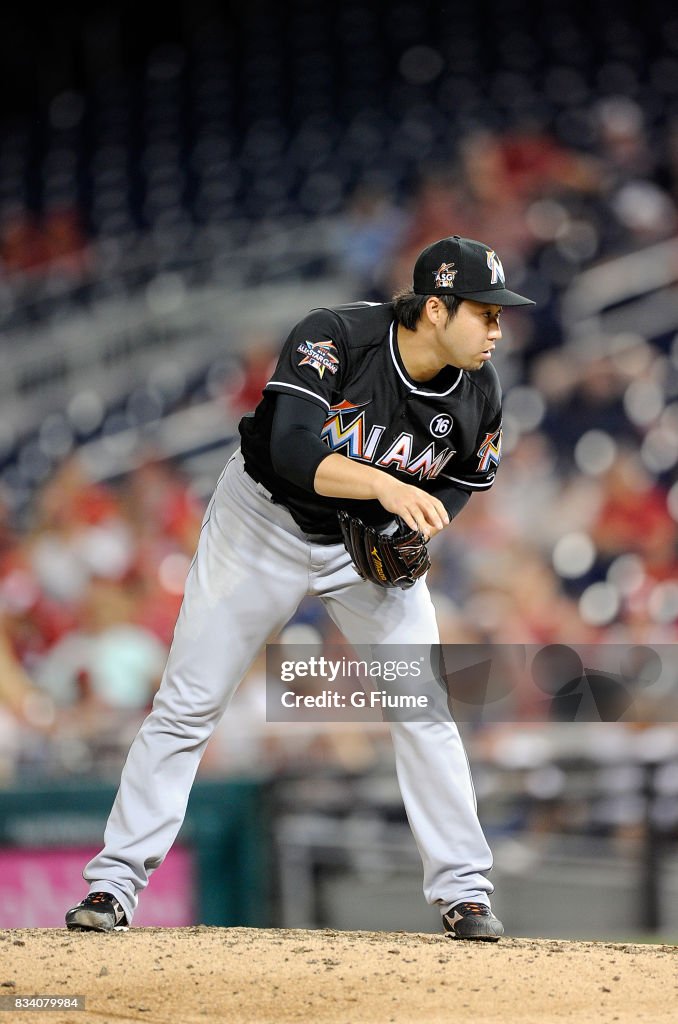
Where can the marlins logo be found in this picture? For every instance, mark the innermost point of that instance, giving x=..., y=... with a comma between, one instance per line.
x=489, y=453
x=494, y=263
x=321, y=355
x=445, y=275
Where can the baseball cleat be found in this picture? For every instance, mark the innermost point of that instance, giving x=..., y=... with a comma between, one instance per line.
x=472, y=921
x=98, y=912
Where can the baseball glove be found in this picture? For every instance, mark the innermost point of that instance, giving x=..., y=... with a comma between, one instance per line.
x=390, y=560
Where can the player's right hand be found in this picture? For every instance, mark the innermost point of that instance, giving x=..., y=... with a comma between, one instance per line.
x=340, y=477
x=420, y=510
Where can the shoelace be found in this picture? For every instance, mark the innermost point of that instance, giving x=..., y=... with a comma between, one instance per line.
x=98, y=897
x=479, y=909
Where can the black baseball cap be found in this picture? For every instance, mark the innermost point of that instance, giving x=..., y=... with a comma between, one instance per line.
x=465, y=268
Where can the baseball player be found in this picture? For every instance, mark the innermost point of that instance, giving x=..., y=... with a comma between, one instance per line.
x=386, y=414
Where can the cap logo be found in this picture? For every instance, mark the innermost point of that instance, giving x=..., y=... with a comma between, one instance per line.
x=444, y=275
x=494, y=263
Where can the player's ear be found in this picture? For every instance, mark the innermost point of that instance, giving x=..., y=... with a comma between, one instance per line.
x=432, y=309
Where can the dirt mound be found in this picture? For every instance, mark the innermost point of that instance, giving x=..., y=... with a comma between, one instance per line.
x=243, y=975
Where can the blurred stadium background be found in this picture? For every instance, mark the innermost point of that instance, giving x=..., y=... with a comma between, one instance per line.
x=175, y=191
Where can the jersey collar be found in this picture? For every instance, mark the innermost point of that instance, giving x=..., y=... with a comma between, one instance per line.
x=413, y=386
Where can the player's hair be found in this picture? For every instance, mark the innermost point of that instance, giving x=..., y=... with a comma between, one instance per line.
x=408, y=307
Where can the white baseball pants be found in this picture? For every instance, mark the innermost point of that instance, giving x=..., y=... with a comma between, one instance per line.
x=252, y=568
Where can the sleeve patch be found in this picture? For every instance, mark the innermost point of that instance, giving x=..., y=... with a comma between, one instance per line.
x=320, y=355
x=489, y=453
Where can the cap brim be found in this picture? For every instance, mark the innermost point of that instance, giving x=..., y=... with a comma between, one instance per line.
x=498, y=297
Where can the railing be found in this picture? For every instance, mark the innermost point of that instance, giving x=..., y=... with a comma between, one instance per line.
x=188, y=304
x=632, y=294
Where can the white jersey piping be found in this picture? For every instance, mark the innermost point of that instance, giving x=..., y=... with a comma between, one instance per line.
x=295, y=387
x=467, y=483
x=413, y=389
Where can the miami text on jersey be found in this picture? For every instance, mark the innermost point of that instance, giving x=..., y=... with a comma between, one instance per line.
x=352, y=435
x=320, y=355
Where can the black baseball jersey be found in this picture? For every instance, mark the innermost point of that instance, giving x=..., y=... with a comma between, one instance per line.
x=441, y=434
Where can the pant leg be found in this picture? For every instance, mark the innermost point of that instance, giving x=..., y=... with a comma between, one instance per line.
x=431, y=762
x=247, y=578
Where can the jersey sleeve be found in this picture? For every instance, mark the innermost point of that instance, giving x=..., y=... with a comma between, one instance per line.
x=478, y=471
x=453, y=496
x=296, y=448
x=313, y=360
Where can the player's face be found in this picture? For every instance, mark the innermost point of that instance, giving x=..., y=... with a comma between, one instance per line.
x=468, y=340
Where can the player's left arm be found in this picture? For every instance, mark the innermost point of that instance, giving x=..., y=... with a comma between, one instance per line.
x=454, y=497
x=477, y=473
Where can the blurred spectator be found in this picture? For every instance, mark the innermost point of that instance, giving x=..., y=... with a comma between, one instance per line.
x=29, y=243
x=79, y=531
x=369, y=231
x=243, y=390
x=27, y=713
x=622, y=139
x=108, y=659
x=535, y=164
x=65, y=241
x=18, y=694
x=164, y=516
x=23, y=246
x=33, y=620
x=643, y=209
x=633, y=518
x=161, y=507
x=435, y=209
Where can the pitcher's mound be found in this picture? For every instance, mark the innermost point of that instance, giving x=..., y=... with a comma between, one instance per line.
x=244, y=975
